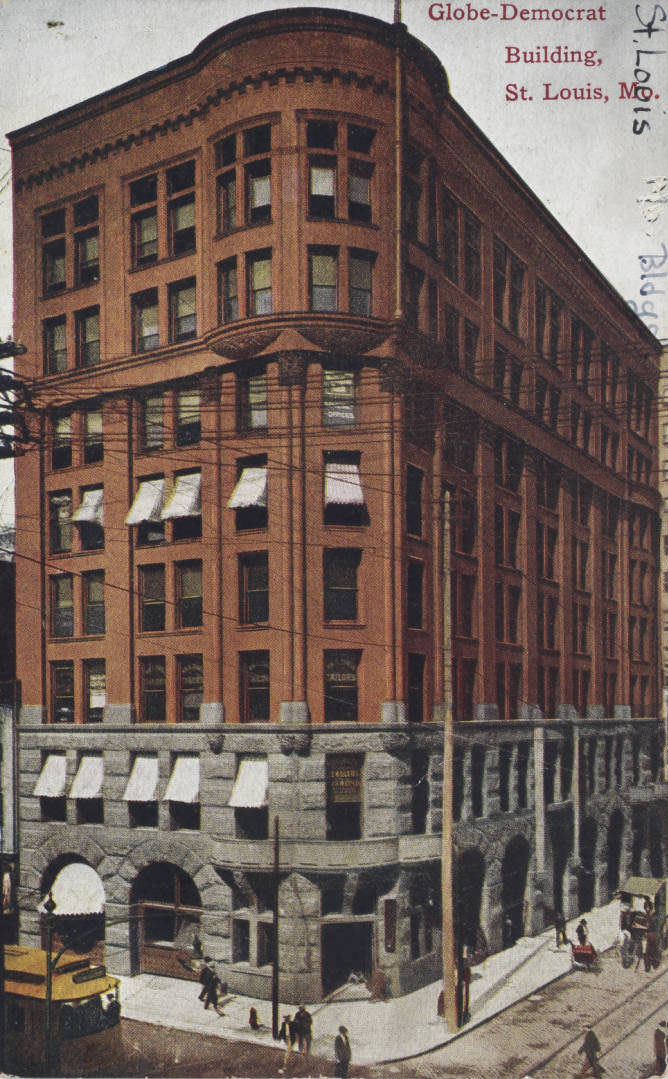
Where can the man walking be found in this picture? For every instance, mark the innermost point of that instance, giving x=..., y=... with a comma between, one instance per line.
x=591, y=1047
x=343, y=1053
x=660, y=1049
x=304, y=1027
x=560, y=929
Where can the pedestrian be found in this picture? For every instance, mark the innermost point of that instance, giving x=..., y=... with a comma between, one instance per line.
x=591, y=1047
x=660, y=1049
x=560, y=929
x=287, y=1034
x=582, y=932
x=508, y=932
x=206, y=976
x=342, y=1053
x=253, y=1021
x=304, y=1027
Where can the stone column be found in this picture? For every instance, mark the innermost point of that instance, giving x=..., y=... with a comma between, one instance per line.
x=539, y=796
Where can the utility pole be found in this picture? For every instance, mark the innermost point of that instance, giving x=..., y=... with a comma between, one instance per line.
x=274, y=957
x=49, y=907
x=447, y=876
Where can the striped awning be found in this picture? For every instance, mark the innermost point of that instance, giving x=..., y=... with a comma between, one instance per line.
x=148, y=502
x=251, y=489
x=185, y=499
x=183, y=783
x=88, y=780
x=343, y=484
x=91, y=509
x=251, y=785
x=143, y=782
x=77, y=890
x=53, y=777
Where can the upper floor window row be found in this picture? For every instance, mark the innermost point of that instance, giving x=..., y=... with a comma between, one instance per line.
x=180, y=323
x=509, y=275
x=77, y=438
x=163, y=214
x=461, y=234
x=71, y=246
x=244, y=178
x=170, y=417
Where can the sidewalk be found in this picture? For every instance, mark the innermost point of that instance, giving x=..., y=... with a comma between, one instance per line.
x=379, y=1032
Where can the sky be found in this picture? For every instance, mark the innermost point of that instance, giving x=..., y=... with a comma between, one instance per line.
x=561, y=123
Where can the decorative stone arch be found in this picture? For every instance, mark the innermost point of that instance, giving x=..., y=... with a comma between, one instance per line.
x=58, y=848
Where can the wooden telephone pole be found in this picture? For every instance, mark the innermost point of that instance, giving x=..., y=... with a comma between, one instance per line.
x=447, y=876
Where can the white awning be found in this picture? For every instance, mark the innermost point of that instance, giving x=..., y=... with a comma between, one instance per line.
x=185, y=499
x=91, y=510
x=183, y=783
x=88, y=780
x=143, y=782
x=251, y=489
x=251, y=785
x=77, y=890
x=343, y=484
x=147, y=505
x=53, y=777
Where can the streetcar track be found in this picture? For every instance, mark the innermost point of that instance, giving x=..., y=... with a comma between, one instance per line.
x=601, y=1019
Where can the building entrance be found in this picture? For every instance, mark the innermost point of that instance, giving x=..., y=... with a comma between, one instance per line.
x=346, y=949
x=168, y=909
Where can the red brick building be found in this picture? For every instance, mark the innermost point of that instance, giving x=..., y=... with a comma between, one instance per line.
x=278, y=298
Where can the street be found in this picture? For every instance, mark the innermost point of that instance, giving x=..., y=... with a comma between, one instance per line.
x=540, y=1036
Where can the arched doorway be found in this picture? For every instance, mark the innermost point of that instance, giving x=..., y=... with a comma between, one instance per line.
x=588, y=836
x=655, y=845
x=469, y=884
x=78, y=894
x=560, y=832
x=167, y=910
x=615, y=836
x=514, y=869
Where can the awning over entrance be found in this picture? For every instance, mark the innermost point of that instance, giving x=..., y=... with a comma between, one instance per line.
x=183, y=783
x=185, y=500
x=143, y=782
x=343, y=484
x=91, y=510
x=148, y=502
x=251, y=785
x=77, y=890
x=53, y=777
x=88, y=780
x=251, y=489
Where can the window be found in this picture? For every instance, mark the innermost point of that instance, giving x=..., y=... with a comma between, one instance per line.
x=359, y=284
x=344, y=796
x=322, y=184
x=87, y=256
x=60, y=522
x=182, y=226
x=359, y=191
x=152, y=689
x=508, y=463
x=61, y=448
x=62, y=692
x=53, y=264
x=152, y=423
x=55, y=346
x=89, y=518
x=508, y=287
x=95, y=690
x=183, y=316
x=145, y=238
x=254, y=587
x=144, y=190
x=259, y=283
x=253, y=403
x=227, y=201
x=338, y=398
x=258, y=192
x=228, y=291
x=506, y=533
x=145, y=327
x=88, y=337
x=415, y=677
x=360, y=139
x=340, y=686
x=93, y=601
x=470, y=347
x=151, y=598
x=340, y=567
x=414, y=480
x=414, y=279
x=93, y=436
x=141, y=792
x=254, y=687
x=188, y=594
x=582, y=342
x=182, y=794
x=184, y=506
x=249, y=497
x=62, y=606
x=323, y=279
x=343, y=495
x=549, y=310
x=414, y=600
x=188, y=424
x=471, y=254
x=321, y=134
x=190, y=686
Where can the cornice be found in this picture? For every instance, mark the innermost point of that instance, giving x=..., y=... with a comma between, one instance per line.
x=236, y=87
